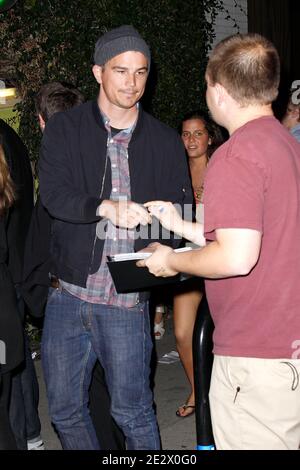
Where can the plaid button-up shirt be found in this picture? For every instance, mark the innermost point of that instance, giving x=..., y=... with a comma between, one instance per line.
x=100, y=288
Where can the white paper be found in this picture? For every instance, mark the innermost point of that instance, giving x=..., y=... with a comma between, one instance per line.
x=140, y=254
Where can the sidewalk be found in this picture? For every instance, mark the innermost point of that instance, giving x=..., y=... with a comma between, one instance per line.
x=171, y=390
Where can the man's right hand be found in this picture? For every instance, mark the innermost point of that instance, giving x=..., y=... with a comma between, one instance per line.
x=125, y=214
x=167, y=214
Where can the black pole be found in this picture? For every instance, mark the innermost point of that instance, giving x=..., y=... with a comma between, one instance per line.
x=203, y=360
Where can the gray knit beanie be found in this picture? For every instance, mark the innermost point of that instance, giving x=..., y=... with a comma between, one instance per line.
x=119, y=40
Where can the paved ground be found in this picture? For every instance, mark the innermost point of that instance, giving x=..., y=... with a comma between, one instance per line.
x=171, y=389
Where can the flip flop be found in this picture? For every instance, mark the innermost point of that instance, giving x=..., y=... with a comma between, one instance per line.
x=169, y=358
x=159, y=330
x=185, y=406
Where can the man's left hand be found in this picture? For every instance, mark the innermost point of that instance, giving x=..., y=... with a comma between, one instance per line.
x=159, y=262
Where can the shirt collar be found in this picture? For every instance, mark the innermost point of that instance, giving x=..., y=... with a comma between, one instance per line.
x=106, y=122
x=295, y=128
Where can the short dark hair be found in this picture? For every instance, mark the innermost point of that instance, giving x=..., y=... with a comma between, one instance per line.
x=248, y=67
x=55, y=97
x=214, y=131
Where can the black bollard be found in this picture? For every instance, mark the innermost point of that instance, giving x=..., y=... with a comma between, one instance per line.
x=203, y=360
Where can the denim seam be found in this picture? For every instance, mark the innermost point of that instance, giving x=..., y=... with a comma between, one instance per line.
x=86, y=357
x=85, y=361
x=145, y=311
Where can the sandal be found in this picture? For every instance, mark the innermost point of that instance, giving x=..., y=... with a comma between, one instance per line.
x=185, y=406
x=159, y=330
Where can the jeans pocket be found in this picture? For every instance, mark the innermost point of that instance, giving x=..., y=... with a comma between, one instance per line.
x=240, y=375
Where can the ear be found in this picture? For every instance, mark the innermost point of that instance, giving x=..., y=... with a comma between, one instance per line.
x=42, y=123
x=97, y=71
x=220, y=93
x=209, y=141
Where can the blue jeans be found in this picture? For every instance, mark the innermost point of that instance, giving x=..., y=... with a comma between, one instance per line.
x=75, y=334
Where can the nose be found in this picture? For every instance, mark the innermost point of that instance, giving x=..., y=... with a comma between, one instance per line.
x=192, y=138
x=131, y=79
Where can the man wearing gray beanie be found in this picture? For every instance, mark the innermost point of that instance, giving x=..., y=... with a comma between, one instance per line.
x=99, y=164
x=119, y=40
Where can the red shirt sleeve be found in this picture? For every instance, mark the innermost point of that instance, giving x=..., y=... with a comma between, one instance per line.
x=233, y=195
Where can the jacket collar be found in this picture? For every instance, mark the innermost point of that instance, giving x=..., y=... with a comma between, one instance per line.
x=99, y=121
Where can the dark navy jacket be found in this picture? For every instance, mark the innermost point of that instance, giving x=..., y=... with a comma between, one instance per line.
x=71, y=170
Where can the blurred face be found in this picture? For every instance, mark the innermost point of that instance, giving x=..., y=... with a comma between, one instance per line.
x=195, y=138
x=122, y=79
x=291, y=117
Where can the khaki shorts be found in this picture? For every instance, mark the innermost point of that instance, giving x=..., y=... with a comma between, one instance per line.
x=255, y=403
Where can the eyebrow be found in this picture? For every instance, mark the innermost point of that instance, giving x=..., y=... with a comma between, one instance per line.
x=126, y=68
x=204, y=129
x=196, y=130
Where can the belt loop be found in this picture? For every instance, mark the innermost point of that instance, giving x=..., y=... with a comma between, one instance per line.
x=54, y=282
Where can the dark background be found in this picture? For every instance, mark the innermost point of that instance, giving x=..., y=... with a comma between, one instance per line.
x=278, y=20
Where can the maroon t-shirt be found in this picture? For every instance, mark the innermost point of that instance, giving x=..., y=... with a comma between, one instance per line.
x=253, y=181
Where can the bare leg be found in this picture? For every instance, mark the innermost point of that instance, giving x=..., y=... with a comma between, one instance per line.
x=159, y=329
x=185, y=311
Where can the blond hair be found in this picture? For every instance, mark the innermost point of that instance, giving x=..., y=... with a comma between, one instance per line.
x=248, y=67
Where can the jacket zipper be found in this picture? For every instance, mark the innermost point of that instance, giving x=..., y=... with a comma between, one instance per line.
x=101, y=194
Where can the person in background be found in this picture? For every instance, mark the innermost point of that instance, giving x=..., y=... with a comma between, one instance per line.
x=201, y=137
x=11, y=331
x=99, y=163
x=52, y=97
x=23, y=409
x=160, y=312
x=251, y=263
x=291, y=119
x=56, y=97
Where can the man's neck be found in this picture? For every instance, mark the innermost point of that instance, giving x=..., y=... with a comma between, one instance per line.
x=119, y=118
x=242, y=116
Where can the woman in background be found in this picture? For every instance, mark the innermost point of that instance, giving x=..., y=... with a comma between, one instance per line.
x=11, y=333
x=200, y=137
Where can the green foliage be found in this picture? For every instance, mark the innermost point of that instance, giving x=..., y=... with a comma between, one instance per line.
x=6, y=4
x=54, y=40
